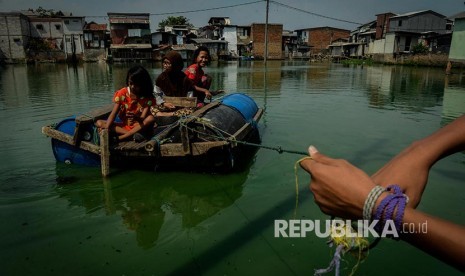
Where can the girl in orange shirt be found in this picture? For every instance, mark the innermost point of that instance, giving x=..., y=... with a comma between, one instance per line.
x=132, y=104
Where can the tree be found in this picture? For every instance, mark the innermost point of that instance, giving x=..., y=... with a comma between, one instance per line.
x=420, y=48
x=46, y=13
x=174, y=20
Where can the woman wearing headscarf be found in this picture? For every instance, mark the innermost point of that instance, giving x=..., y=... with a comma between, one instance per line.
x=172, y=82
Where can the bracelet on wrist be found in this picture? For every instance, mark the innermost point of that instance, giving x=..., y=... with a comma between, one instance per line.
x=391, y=208
x=370, y=201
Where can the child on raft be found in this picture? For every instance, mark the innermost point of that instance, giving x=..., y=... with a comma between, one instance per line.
x=194, y=72
x=131, y=104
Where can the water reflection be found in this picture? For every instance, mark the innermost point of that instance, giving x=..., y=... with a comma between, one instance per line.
x=249, y=77
x=143, y=200
x=14, y=86
x=454, y=97
x=355, y=112
x=414, y=89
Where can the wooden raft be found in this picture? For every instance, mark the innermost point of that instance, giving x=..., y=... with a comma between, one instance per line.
x=150, y=148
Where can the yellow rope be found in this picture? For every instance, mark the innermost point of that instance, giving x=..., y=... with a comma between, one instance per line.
x=296, y=165
x=349, y=243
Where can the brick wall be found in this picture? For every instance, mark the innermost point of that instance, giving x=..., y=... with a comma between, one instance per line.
x=320, y=38
x=382, y=24
x=275, y=33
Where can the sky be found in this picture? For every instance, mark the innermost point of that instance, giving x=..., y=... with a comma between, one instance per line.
x=293, y=14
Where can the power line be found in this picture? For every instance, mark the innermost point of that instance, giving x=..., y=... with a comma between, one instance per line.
x=209, y=9
x=199, y=10
x=316, y=14
x=249, y=3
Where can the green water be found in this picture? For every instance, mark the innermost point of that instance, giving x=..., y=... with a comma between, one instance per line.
x=67, y=220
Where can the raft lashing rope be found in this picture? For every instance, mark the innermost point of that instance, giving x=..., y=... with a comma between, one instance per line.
x=221, y=135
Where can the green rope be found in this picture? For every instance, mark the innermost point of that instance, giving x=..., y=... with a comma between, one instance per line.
x=204, y=122
x=96, y=136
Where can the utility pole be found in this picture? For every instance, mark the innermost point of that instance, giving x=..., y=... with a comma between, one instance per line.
x=266, y=31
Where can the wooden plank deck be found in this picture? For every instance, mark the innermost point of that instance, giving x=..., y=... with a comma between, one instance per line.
x=149, y=148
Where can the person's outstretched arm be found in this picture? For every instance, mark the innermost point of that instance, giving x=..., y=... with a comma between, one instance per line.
x=437, y=237
x=207, y=93
x=340, y=189
x=410, y=168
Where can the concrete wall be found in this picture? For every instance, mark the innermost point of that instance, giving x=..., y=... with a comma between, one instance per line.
x=73, y=35
x=382, y=46
x=47, y=28
x=14, y=37
x=230, y=35
x=457, y=48
x=389, y=47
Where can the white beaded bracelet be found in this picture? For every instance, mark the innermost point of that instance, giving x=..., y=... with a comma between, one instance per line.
x=371, y=200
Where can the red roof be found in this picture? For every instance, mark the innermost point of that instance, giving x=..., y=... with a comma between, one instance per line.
x=95, y=27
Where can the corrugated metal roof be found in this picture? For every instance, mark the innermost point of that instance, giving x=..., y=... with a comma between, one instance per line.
x=191, y=47
x=45, y=19
x=131, y=46
x=206, y=40
x=410, y=14
x=369, y=32
x=458, y=15
x=128, y=21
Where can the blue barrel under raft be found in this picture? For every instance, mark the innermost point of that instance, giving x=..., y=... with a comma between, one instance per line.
x=235, y=111
x=218, y=124
x=242, y=103
x=69, y=154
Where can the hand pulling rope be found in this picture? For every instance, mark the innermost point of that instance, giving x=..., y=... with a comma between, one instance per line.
x=350, y=241
x=345, y=243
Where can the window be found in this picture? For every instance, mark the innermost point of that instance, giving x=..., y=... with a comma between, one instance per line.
x=66, y=21
x=40, y=27
x=408, y=41
x=242, y=32
x=58, y=27
x=399, y=24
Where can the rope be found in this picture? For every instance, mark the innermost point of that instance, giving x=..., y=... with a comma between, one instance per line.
x=297, y=183
x=347, y=243
x=232, y=139
x=350, y=242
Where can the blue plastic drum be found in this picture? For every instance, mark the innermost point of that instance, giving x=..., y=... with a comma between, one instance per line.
x=242, y=103
x=69, y=154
